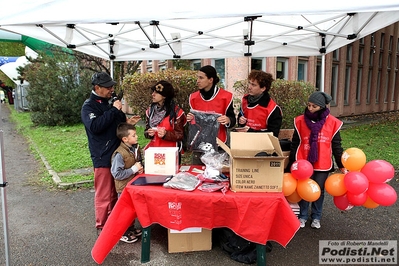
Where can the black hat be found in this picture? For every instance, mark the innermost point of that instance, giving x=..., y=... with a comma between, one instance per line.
x=164, y=88
x=320, y=98
x=102, y=79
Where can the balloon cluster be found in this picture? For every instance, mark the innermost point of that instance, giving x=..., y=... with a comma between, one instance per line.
x=364, y=185
x=297, y=185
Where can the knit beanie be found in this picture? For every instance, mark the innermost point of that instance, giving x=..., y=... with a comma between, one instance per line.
x=320, y=98
x=210, y=72
x=164, y=88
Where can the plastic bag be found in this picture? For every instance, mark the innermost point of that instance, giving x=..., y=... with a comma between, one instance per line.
x=203, y=129
x=212, y=187
x=183, y=181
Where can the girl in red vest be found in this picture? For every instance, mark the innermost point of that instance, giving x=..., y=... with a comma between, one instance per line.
x=259, y=113
x=316, y=139
x=165, y=120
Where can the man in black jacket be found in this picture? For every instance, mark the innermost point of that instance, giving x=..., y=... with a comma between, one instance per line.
x=101, y=116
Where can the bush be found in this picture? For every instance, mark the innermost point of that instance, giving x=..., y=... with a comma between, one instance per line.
x=137, y=86
x=57, y=89
x=292, y=96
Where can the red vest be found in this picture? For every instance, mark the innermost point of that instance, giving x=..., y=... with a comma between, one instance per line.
x=257, y=115
x=328, y=131
x=159, y=142
x=218, y=104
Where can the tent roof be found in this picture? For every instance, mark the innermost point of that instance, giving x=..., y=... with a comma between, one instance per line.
x=158, y=30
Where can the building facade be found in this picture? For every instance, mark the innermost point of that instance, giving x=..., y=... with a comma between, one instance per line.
x=360, y=77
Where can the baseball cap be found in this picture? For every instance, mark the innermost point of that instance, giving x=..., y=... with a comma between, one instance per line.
x=102, y=79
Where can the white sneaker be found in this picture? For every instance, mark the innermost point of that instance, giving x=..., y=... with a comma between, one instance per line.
x=303, y=222
x=315, y=224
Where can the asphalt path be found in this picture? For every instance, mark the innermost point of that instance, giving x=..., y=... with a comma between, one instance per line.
x=56, y=227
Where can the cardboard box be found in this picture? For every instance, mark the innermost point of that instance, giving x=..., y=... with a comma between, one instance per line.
x=190, y=239
x=250, y=173
x=287, y=160
x=161, y=160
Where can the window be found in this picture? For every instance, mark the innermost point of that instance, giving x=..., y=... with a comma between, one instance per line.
x=196, y=64
x=258, y=63
x=347, y=84
x=282, y=68
x=359, y=85
x=220, y=69
x=334, y=84
x=302, y=70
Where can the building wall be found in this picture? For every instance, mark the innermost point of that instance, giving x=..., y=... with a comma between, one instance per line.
x=367, y=73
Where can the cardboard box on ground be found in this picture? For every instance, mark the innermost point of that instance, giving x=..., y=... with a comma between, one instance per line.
x=190, y=239
x=161, y=160
x=251, y=173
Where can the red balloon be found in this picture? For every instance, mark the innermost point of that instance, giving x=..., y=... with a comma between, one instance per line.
x=378, y=171
x=342, y=203
x=356, y=182
x=382, y=194
x=302, y=169
x=357, y=199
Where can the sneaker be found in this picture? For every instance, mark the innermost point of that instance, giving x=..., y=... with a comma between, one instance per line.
x=303, y=222
x=137, y=232
x=128, y=238
x=315, y=224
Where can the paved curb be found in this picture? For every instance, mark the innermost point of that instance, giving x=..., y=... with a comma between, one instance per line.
x=56, y=177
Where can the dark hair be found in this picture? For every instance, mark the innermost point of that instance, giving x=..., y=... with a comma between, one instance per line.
x=210, y=72
x=123, y=130
x=264, y=79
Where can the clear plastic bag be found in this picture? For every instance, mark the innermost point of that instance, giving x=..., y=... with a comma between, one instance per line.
x=212, y=187
x=183, y=181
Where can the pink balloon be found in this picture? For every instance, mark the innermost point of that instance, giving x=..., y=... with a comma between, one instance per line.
x=378, y=171
x=302, y=169
x=382, y=193
x=357, y=199
x=356, y=182
x=342, y=203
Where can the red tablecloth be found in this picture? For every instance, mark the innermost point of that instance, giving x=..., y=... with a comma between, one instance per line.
x=257, y=217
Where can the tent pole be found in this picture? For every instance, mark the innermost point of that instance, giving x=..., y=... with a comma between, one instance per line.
x=323, y=69
x=3, y=185
x=112, y=68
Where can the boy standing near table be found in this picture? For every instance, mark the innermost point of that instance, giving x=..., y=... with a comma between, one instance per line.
x=125, y=165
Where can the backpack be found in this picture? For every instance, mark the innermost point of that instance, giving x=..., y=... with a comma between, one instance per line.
x=238, y=248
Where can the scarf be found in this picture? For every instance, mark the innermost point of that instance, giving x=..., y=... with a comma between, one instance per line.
x=157, y=115
x=254, y=99
x=315, y=123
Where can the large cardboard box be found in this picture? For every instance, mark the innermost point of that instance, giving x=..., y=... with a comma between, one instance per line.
x=250, y=173
x=190, y=239
x=161, y=160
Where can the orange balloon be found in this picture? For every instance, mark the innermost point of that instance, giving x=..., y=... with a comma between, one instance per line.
x=308, y=190
x=335, y=185
x=370, y=203
x=294, y=197
x=353, y=159
x=289, y=184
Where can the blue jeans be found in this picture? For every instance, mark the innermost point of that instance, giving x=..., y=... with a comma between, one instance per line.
x=317, y=206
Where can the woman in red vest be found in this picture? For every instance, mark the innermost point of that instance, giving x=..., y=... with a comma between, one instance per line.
x=259, y=113
x=212, y=99
x=165, y=120
x=316, y=139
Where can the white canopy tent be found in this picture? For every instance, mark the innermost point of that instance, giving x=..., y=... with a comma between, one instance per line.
x=122, y=30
